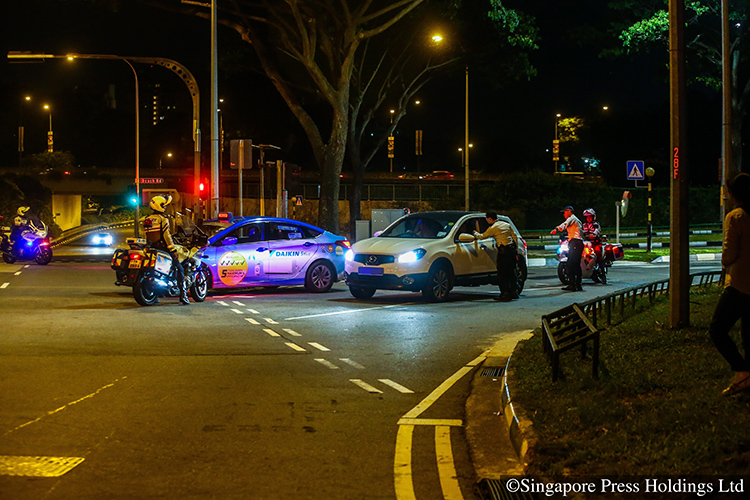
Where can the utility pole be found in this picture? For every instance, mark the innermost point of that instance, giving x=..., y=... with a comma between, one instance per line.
x=679, y=266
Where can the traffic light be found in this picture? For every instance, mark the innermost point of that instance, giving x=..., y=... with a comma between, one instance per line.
x=132, y=195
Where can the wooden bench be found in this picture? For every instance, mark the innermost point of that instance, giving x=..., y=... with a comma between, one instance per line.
x=565, y=329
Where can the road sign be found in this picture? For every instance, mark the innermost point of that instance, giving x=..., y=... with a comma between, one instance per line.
x=298, y=200
x=635, y=170
x=151, y=180
x=391, y=146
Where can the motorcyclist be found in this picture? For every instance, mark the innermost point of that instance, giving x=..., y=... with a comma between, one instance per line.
x=159, y=236
x=25, y=220
x=592, y=232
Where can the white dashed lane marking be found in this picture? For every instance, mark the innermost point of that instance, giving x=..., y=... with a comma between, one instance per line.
x=237, y=311
x=238, y=303
x=364, y=385
x=5, y=285
x=271, y=332
x=296, y=347
x=292, y=332
x=253, y=311
x=252, y=321
x=400, y=388
x=270, y=321
x=352, y=363
x=326, y=363
x=318, y=346
x=221, y=303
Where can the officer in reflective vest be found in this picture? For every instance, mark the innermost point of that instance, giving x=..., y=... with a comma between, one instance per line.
x=159, y=236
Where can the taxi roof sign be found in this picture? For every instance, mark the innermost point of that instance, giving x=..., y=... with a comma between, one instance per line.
x=225, y=216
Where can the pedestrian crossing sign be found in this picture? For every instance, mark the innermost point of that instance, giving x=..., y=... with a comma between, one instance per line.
x=635, y=170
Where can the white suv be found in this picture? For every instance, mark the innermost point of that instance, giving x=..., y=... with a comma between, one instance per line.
x=431, y=252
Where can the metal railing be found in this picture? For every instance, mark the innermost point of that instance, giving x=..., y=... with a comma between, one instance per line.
x=603, y=307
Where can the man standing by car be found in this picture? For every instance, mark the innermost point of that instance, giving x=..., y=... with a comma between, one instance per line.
x=505, y=238
x=575, y=248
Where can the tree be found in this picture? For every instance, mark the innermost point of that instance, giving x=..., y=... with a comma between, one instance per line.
x=649, y=26
x=307, y=48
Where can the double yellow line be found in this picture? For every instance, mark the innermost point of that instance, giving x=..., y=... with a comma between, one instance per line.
x=402, y=462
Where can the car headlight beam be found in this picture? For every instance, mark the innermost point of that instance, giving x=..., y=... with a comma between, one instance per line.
x=411, y=256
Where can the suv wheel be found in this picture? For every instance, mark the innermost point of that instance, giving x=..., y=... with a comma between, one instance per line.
x=362, y=293
x=439, y=283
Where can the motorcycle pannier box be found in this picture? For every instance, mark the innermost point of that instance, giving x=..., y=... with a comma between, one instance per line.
x=614, y=251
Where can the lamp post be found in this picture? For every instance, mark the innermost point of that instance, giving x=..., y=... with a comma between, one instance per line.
x=168, y=155
x=556, y=143
x=649, y=173
x=50, y=141
x=466, y=143
x=391, y=143
x=20, y=129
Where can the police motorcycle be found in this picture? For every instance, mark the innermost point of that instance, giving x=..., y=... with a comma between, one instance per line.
x=149, y=270
x=32, y=244
x=591, y=266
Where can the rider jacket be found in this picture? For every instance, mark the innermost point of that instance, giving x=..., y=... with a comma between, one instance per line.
x=592, y=231
x=157, y=232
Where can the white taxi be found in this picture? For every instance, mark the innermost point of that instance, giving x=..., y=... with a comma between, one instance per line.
x=431, y=252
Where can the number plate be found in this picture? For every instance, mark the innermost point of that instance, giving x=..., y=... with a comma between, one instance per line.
x=371, y=271
x=134, y=264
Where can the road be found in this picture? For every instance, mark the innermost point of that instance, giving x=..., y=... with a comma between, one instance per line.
x=262, y=394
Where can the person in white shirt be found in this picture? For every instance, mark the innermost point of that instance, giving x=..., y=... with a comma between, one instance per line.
x=506, y=241
x=575, y=248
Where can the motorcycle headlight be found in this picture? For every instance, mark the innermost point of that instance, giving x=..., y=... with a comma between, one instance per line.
x=411, y=256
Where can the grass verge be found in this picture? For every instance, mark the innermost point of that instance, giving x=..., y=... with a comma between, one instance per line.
x=656, y=408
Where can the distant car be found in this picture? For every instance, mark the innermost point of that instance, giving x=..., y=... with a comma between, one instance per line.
x=429, y=252
x=438, y=174
x=267, y=251
x=102, y=239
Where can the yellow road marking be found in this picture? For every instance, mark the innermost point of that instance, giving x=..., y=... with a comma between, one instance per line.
x=446, y=467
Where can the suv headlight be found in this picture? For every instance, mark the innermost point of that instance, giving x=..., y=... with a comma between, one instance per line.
x=349, y=255
x=411, y=256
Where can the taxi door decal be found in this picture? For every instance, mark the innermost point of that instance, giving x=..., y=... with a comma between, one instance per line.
x=232, y=268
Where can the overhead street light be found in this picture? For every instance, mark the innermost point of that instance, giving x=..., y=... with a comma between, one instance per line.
x=50, y=141
x=177, y=68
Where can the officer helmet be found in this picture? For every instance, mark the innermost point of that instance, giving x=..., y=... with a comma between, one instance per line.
x=159, y=203
x=589, y=211
x=22, y=211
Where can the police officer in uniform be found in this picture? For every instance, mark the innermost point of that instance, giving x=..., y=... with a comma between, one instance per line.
x=506, y=241
x=25, y=219
x=575, y=248
x=159, y=236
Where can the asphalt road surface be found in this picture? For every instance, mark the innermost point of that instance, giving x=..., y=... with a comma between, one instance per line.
x=252, y=395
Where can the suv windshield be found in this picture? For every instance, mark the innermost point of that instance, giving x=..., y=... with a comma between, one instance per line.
x=425, y=225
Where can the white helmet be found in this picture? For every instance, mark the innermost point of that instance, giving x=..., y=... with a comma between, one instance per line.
x=159, y=203
x=589, y=211
x=22, y=211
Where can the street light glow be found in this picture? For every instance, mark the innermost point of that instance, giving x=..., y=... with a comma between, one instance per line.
x=437, y=38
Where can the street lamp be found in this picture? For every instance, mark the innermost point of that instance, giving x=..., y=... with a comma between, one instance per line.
x=437, y=38
x=50, y=141
x=391, y=143
x=20, y=128
x=168, y=155
x=556, y=143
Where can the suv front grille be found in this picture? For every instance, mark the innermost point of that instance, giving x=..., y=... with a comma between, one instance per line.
x=374, y=260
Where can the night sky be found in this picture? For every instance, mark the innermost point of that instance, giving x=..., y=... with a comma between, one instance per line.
x=512, y=128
